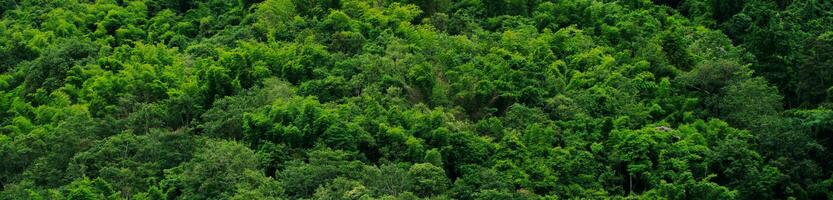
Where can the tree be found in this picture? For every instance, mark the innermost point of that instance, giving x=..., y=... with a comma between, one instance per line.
x=433, y=157
x=388, y=179
x=216, y=171
x=747, y=103
x=301, y=179
x=225, y=118
x=341, y=188
x=86, y=189
x=131, y=161
x=812, y=80
x=429, y=180
x=48, y=71
x=273, y=17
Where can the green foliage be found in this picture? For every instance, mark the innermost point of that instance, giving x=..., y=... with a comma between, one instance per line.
x=302, y=179
x=209, y=173
x=429, y=180
x=416, y=99
x=85, y=189
x=225, y=118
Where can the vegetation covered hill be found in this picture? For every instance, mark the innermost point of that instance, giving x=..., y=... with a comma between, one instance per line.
x=416, y=99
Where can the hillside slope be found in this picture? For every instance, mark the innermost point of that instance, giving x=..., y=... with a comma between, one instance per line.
x=416, y=99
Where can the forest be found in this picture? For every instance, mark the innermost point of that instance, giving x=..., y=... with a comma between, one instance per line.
x=416, y=99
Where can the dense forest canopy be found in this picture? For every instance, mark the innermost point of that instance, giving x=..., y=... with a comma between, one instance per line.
x=416, y=99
